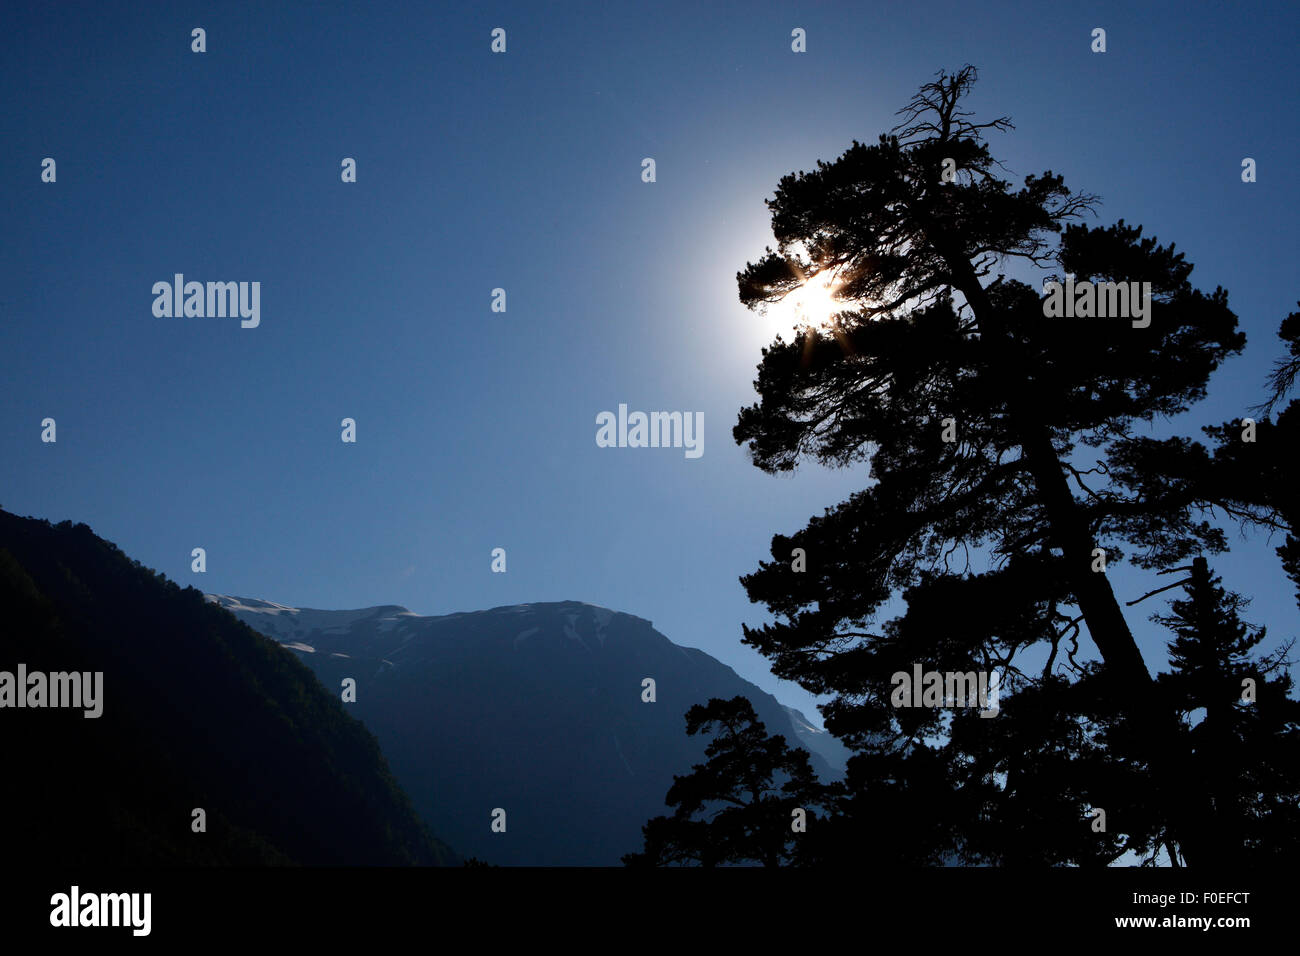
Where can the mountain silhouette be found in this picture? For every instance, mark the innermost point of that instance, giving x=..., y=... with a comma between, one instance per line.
x=534, y=709
x=198, y=712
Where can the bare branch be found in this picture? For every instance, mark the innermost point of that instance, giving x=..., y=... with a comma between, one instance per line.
x=1167, y=587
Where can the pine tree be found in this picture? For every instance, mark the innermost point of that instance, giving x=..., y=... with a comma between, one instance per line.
x=1247, y=474
x=1246, y=748
x=970, y=406
x=737, y=807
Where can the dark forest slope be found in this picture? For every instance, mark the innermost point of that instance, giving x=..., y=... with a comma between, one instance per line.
x=199, y=710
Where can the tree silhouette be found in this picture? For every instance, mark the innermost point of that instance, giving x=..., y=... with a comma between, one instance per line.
x=991, y=535
x=1251, y=481
x=1246, y=748
x=737, y=807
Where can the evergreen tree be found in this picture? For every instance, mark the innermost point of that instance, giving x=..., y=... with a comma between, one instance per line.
x=1247, y=474
x=737, y=807
x=970, y=405
x=1246, y=747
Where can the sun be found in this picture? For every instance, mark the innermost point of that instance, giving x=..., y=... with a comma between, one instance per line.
x=812, y=304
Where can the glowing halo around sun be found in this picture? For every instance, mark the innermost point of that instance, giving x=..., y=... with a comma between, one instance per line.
x=810, y=305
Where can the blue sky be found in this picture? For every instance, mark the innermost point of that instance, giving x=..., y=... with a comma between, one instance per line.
x=476, y=429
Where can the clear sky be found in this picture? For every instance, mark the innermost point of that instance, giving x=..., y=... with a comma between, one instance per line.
x=522, y=171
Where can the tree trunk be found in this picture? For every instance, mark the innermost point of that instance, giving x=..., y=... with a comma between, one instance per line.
x=1096, y=599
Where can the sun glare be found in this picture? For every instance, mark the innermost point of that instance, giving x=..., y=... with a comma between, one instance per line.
x=811, y=304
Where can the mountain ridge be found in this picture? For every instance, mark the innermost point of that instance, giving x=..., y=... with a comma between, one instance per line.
x=514, y=680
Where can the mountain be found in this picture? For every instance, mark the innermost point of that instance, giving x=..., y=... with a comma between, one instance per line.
x=534, y=709
x=817, y=741
x=196, y=710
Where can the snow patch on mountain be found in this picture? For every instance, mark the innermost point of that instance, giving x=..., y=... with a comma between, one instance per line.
x=284, y=621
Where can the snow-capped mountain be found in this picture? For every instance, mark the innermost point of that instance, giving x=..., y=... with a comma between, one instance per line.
x=535, y=709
